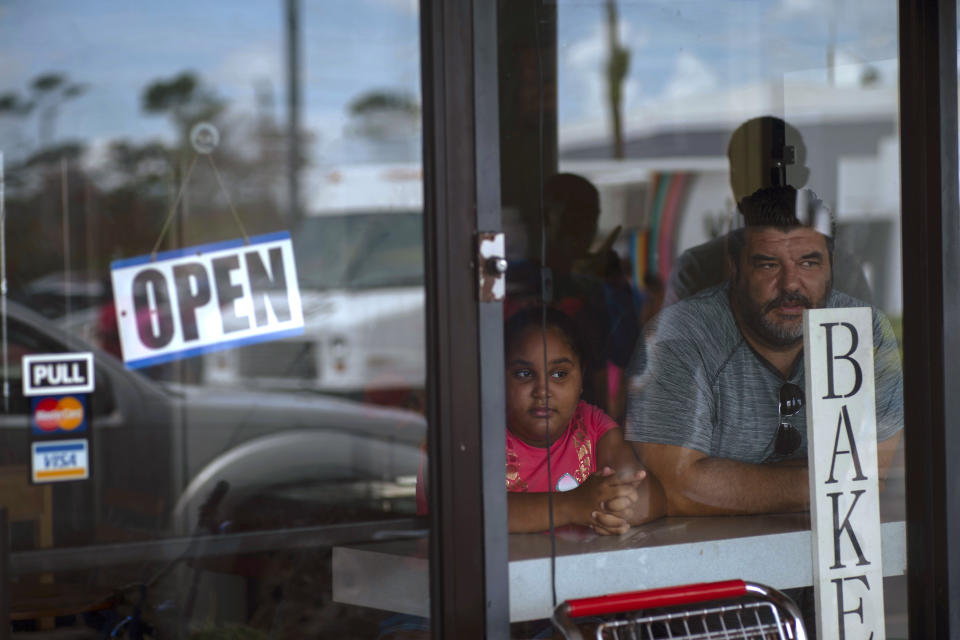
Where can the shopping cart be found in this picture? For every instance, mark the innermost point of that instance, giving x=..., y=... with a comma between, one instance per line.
x=729, y=609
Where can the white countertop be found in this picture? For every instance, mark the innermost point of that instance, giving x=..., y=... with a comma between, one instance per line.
x=770, y=549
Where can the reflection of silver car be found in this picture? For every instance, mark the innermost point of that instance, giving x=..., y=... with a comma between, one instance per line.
x=156, y=445
x=54, y=294
x=361, y=281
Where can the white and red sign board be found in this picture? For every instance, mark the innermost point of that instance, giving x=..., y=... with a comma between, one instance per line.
x=844, y=487
x=190, y=301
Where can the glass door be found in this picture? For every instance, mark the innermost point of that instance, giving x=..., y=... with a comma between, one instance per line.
x=214, y=216
x=641, y=147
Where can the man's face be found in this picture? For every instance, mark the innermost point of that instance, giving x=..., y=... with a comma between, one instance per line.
x=781, y=273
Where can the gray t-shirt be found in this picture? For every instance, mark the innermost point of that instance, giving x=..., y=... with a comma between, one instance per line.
x=697, y=383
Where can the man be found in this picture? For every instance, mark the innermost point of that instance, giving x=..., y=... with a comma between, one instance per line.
x=724, y=368
x=762, y=152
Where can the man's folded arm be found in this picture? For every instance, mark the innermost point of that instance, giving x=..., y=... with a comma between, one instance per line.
x=696, y=484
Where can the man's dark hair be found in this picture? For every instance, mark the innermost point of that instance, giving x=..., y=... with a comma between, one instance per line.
x=770, y=207
x=775, y=207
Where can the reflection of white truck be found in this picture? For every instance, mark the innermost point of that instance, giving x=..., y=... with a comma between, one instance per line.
x=359, y=253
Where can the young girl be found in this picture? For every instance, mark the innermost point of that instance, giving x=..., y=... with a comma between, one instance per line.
x=596, y=476
x=597, y=480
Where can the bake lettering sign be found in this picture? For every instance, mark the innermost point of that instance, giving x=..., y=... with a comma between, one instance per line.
x=844, y=488
x=190, y=301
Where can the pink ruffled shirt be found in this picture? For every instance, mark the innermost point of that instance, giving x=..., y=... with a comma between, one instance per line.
x=573, y=457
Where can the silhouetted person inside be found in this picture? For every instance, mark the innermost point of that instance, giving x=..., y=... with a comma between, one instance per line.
x=762, y=152
x=573, y=280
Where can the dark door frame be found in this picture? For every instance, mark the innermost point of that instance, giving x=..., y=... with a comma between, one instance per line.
x=468, y=544
x=931, y=312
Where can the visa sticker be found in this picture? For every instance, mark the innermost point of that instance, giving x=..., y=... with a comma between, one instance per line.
x=60, y=460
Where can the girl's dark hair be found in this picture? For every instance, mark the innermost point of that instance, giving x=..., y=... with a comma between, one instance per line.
x=528, y=318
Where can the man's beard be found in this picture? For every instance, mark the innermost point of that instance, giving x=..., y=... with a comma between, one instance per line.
x=758, y=318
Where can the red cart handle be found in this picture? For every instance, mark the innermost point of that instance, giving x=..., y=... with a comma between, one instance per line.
x=654, y=598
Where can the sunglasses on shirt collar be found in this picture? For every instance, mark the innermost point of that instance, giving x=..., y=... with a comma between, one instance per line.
x=788, y=436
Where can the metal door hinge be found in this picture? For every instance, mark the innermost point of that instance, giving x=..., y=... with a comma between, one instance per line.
x=492, y=266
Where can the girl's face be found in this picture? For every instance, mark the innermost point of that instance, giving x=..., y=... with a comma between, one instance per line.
x=533, y=405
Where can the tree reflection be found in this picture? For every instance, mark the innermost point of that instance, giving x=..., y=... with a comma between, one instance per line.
x=99, y=200
x=48, y=92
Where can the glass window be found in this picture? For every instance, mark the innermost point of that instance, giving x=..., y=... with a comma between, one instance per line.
x=642, y=146
x=224, y=205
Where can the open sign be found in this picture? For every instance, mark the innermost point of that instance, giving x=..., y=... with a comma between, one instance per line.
x=190, y=301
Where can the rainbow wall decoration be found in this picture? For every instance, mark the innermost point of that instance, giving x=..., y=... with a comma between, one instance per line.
x=652, y=249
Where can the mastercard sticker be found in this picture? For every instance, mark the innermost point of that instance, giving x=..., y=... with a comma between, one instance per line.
x=58, y=415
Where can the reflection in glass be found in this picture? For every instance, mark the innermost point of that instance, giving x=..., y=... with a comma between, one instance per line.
x=130, y=133
x=361, y=251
